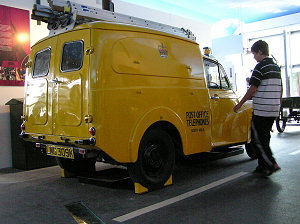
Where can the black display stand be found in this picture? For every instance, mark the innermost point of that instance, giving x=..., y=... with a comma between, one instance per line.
x=24, y=156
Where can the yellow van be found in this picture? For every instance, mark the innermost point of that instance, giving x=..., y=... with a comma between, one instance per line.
x=128, y=95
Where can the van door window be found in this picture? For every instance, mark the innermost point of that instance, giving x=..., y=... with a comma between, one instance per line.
x=41, y=63
x=72, y=56
x=224, y=80
x=212, y=75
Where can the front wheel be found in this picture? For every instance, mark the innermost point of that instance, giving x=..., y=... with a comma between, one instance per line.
x=156, y=160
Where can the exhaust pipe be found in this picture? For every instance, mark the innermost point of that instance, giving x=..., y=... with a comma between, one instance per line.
x=108, y=5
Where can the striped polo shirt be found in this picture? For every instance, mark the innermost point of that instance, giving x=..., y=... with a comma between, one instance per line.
x=267, y=78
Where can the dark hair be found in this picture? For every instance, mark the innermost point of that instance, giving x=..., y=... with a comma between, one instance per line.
x=262, y=46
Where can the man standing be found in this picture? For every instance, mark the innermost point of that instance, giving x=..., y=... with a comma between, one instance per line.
x=266, y=92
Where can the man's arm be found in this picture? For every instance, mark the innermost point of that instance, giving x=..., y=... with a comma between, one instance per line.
x=247, y=96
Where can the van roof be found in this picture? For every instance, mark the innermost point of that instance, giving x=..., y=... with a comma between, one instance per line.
x=120, y=26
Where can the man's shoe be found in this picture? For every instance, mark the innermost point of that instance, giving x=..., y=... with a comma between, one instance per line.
x=267, y=172
x=258, y=169
x=276, y=167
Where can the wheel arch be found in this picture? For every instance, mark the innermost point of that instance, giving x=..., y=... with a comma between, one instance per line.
x=163, y=118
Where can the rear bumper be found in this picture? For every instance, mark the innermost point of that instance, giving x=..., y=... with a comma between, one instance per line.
x=86, y=143
x=78, y=152
x=82, y=147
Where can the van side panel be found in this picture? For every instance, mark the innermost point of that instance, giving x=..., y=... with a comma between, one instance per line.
x=132, y=90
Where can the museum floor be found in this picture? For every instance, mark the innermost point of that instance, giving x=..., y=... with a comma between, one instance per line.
x=204, y=192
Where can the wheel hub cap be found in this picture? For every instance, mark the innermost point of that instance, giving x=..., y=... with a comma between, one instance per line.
x=153, y=157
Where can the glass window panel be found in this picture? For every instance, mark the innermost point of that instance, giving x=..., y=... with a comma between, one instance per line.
x=72, y=56
x=41, y=63
x=212, y=74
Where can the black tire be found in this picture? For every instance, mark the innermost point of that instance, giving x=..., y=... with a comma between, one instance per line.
x=250, y=150
x=77, y=166
x=280, y=124
x=156, y=160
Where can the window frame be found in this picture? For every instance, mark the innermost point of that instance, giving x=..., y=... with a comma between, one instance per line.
x=48, y=69
x=62, y=54
x=206, y=80
x=221, y=74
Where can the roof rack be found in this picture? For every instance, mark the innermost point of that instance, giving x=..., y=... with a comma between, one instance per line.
x=63, y=15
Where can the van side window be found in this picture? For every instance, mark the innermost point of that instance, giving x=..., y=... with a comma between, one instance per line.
x=41, y=63
x=72, y=56
x=211, y=70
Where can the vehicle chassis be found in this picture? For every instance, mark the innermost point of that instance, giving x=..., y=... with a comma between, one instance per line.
x=289, y=111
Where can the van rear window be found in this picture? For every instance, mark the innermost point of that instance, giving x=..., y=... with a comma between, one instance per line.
x=41, y=63
x=72, y=56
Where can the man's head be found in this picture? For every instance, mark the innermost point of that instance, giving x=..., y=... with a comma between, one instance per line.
x=260, y=50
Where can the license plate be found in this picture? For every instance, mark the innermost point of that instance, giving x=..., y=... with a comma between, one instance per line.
x=60, y=151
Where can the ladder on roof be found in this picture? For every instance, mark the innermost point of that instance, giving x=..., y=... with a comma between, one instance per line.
x=63, y=15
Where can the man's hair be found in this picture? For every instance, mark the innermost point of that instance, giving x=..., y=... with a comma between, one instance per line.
x=262, y=46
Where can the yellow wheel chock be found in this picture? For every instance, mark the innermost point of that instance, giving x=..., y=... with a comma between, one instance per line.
x=140, y=189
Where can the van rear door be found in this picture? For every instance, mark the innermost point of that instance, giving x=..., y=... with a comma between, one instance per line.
x=71, y=84
x=38, y=87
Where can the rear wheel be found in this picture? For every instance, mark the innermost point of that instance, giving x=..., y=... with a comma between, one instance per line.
x=156, y=160
x=77, y=166
x=280, y=122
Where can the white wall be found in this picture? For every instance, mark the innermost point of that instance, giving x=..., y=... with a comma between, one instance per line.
x=265, y=25
x=230, y=49
x=201, y=31
x=272, y=31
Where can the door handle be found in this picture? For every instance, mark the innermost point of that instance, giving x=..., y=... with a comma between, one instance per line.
x=56, y=81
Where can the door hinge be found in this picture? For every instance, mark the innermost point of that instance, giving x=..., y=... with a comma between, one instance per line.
x=24, y=117
x=88, y=118
x=89, y=51
x=28, y=64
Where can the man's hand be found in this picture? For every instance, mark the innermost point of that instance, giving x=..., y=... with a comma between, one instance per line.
x=237, y=107
x=250, y=92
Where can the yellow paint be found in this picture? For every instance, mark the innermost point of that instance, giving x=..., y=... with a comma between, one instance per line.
x=140, y=189
x=169, y=181
x=66, y=174
x=130, y=78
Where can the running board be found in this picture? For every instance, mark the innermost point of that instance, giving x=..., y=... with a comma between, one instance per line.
x=218, y=153
x=221, y=153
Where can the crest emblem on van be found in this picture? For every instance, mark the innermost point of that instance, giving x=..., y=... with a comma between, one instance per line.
x=163, y=50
